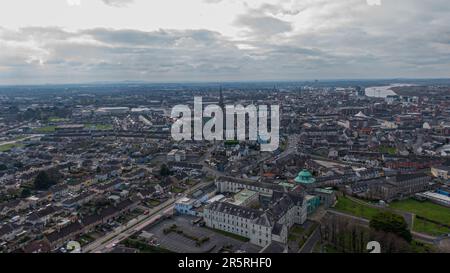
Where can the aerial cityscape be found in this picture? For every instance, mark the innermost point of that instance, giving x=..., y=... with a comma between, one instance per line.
x=219, y=137
x=97, y=165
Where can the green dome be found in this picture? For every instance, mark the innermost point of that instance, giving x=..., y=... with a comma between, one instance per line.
x=305, y=177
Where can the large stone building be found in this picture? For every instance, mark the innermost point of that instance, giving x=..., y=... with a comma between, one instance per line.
x=270, y=222
x=234, y=185
x=400, y=186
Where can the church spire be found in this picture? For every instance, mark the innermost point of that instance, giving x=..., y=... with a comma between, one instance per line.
x=221, y=102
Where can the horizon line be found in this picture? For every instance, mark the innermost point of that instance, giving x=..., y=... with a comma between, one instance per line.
x=223, y=82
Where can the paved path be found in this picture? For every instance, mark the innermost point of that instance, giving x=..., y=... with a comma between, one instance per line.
x=309, y=245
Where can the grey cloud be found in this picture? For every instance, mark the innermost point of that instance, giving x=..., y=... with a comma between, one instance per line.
x=212, y=1
x=262, y=25
x=105, y=54
x=346, y=38
x=154, y=38
x=117, y=3
x=277, y=9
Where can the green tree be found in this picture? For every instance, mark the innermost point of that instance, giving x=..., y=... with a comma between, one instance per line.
x=26, y=192
x=43, y=181
x=165, y=171
x=391, y=223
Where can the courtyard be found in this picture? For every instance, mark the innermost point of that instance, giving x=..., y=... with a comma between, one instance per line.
x=178, y=234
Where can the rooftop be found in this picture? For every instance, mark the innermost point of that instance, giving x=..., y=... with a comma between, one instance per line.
x=242, y=196
x=305, y=177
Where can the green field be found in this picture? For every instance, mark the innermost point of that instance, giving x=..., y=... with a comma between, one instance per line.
x=177, y=190
x=426, y=227
x=425, y=209
x=388, y=150
x=295, y=233
x=347, y=205
x=7, y=147
x=419, y=247
x=57, y=119
x=99, y=127
x=297, y=229
x=46, y=129
x=329, y=249
x=154, y=203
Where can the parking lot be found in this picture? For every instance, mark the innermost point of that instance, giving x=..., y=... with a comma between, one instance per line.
x=179, y=243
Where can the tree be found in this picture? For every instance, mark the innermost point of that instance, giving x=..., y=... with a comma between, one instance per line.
x=165, y=171
x=391, y=223
x=43, y=181
x=26, y=192
x=391, y=243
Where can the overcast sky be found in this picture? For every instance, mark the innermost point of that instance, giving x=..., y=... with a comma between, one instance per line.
x=67, y=41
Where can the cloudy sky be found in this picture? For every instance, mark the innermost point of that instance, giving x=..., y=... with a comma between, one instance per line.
x=67, y=41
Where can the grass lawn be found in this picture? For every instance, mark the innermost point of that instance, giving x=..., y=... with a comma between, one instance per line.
x=330, y=249
x=419, y=247
x=295, y=233
x=292, y=237
x=283, y=146
x=297, y=230
x=346, y=205
x=7, y=147
x=130, y=216
x=425, y=209
x=191, y=183
x=154, y=203
x=426, y=227
x=177, y=190
x=57, y=119
x=317, y=248
x=86, y=239
x=46, y=129
x=388, y=150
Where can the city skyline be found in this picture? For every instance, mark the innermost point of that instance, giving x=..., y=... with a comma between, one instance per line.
x=78, y=41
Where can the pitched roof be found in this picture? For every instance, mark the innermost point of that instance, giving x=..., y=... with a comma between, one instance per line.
x=69, y=230
x=239, y=211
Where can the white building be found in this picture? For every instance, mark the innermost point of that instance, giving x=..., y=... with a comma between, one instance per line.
x=176, y=155
x=435, y=197
x=112, y=110
x=260, y=226
x=234, y=185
